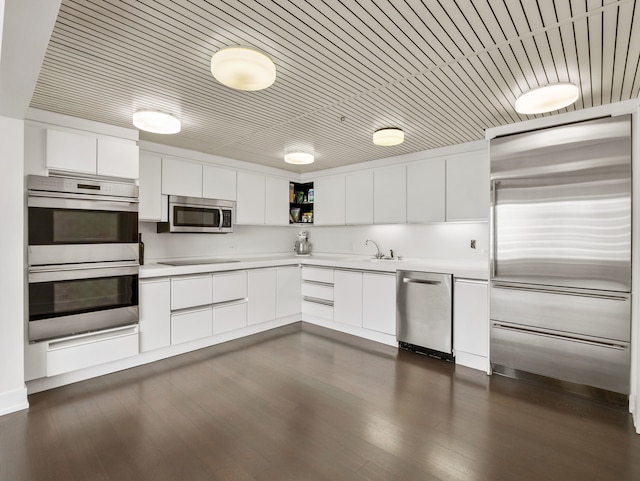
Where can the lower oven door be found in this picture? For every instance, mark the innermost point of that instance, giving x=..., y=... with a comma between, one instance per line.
x=75, y=299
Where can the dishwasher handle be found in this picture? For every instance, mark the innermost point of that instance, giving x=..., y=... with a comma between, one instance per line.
x=409, y=280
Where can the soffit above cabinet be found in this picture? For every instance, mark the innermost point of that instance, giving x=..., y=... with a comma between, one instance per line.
x=442, y=71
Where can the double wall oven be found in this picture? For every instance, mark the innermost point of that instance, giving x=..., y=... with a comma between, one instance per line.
x=83, y=256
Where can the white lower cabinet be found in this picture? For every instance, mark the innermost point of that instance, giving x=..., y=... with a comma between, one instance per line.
x=229, y=286
x=471, y=323
x=288, y=291
x=379, y=302
x=317, y=292
x=262, y=295
x=229, y=317
x=79, y=352
x=347, y=297
x=191, y=291
x=191, y=325
x=155, y=314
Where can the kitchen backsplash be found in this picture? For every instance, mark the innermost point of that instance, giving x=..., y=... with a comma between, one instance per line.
x=451, y=240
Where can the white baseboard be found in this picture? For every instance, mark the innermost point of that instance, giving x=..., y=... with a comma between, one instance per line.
x=12, y=401
x=473, y=361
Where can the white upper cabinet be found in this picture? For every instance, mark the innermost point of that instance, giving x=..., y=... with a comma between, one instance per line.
x=389, y=195
x=149, y=193
x=426, y=191
x=329, y=203
x=359, y=198
x=71, y=152
x=117, y=158
x=218, y=183
x=468, y=187
x=276, y=201
x=181, y=178
x=89, y=154
x=250, y=208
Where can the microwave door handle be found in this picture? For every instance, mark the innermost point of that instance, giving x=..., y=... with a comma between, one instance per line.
x=220, y=218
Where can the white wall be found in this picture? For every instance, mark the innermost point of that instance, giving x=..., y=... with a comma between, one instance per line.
x=13, y=393
x=442, y=240
x=422, y=241
x=244, y=240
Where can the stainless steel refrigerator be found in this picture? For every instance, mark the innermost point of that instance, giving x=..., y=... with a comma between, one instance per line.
x=561, y=253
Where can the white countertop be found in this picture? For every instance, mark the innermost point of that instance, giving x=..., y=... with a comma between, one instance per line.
x=462, y=268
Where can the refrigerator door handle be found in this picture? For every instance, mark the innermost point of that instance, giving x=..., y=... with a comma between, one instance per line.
x=535, y=332
x=494, y=246
x=562, y=291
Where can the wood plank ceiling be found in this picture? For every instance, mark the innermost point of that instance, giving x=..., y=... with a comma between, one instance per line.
x=442, y=70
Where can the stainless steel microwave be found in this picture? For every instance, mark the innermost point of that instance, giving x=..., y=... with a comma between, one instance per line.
x=193, y=214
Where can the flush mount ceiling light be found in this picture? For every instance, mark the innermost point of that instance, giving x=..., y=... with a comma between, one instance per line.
x=243, y=68
x=156, y=122
x=298, y=158
x=388, y=136
x=547, y=98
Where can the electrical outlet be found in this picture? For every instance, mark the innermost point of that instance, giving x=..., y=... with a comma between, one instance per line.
x=472, y=244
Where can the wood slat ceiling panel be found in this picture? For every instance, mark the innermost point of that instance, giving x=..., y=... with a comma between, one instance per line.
x=443, y=71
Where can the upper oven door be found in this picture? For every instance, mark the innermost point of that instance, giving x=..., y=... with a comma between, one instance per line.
x=70, y=229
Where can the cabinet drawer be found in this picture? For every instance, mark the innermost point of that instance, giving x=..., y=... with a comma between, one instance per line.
x=318, y=291
x=230, y=287
x=229, y=317
x=91, y=350
x=191, y=292
x=317, y=274
x=188, y=326
x=319, y=310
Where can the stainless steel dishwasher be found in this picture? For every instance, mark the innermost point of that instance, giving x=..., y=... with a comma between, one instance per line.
x=424, y=312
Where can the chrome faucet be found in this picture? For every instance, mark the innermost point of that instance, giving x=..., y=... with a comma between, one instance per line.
x=379, y=255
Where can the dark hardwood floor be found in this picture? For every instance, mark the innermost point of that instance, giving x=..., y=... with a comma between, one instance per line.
x=310, y=404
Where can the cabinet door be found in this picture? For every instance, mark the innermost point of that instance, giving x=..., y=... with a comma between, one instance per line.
x=191, y=325
x=389, y=195
x=118, y=158
x=276, y=202
x=262, y=296
x=250, y=199
x=191, y=291
x=155, y=314
x=218, y=183
x=181, y=178
x=230, y=286
x=71, y=152
x=470, y=317
x=359, y=198
x=328, y=207
x=229, y=317
x=468, y=187
x=150, y=188
x=379, y=302
x=347, y=297
x=426, y=191
x=288, y=291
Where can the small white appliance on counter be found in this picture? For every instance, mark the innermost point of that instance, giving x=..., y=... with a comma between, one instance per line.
x=302, y=247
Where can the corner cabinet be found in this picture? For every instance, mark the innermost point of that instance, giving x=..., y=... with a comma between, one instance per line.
x=329, y=201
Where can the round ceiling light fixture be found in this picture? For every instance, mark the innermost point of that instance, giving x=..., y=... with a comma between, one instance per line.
x=156, y=122
x=298, y=158
x=243, y=68
x=388, y=136
x=547, y=98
